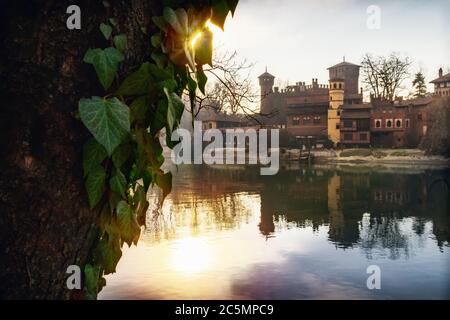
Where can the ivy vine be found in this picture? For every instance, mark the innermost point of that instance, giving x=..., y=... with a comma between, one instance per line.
x=123, y=158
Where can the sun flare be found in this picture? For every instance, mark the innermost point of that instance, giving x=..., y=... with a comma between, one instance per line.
x=191, y=255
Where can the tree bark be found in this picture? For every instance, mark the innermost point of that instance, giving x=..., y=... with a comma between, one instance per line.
x=45, y=221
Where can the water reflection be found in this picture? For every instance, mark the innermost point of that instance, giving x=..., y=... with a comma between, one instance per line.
x=304, y=233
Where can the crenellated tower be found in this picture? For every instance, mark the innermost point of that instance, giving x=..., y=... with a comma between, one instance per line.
x=266, y=82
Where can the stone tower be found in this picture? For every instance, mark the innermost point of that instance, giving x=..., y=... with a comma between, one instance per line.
x=349, y=72
x=336, y=92
x=266, y=82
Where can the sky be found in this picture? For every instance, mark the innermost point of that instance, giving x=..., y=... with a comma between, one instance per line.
x=299, y=39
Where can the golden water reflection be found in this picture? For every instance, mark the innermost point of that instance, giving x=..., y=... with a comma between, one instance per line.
x=306, y=233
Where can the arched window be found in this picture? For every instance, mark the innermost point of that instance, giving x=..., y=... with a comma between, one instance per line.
x=378, y=123
x=398, y=123
x=389, y=123
x=340, y=85
x=334, y=85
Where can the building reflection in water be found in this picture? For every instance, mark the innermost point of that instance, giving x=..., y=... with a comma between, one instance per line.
x=305, y=233
x=360, y=206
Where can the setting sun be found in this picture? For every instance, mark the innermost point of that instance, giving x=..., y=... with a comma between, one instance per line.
x=191, y=255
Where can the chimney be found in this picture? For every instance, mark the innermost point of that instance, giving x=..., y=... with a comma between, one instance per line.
x=440, y=72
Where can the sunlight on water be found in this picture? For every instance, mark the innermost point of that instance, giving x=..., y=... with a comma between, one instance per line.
x=303, y=235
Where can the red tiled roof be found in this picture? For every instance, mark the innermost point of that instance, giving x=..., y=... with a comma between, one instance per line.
x=444, y=78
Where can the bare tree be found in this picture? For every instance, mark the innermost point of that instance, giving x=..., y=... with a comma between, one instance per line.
x=384, y=75
x=230, y=88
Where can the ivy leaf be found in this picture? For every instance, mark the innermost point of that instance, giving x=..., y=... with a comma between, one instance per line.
x=107, y=120
x=171, y=17
x=108, y=253
x=105, y=62
x=106, y=30
x=165, y=183
x=175, y=108
x=201, y=79
x=93, y=155
x=204, y=48
x=160, y=22
x=129, y=228
x=118, y=183
x=141, y=204
x=120, y=42
x=232, y=4
x=91, y=276
x=95, y=184
x=159, y=120
x=156, y=40
x=121, y=154
x=136, y=83
x=159, y=58
x=139, y=109
x=220, y=11
x=113, y=21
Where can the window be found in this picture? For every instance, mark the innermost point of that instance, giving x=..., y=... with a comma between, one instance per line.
x=389, y=123
x=377, y=123
x=419, y=117
x=307, y=120
x=334, y=85
x=348, y=136
x=339, y=112
x=316, y=120
x=363, y=124
x=338, y=126
x=210, y=125
x=340, y=85
x=406, y=123
x=398, y=123
x=348, y=124
x=296, y=121
x=363, y=136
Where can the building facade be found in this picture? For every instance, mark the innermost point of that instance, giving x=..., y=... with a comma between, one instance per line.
x=442, y=84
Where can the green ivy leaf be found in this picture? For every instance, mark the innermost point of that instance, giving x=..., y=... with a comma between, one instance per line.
x=95, y=185
x=107, y=120
x=160, y=117
x=159, y=58
x=204, y=48
x=93, y=155
x=160, y=22
x=136, y=83
x=108, y=253
x=156, y=40
x=91, y=276
x=105, y=62
x=172, y=19
x=121, y=154
x=120, y=42
x=129, y=228
x=201, y=79
x=139, y=109
x=220, y=11
x=165, y=183
x=141, y=204
x=113, y=21
x=106, y=30
x=175, y=108
x=118, y=183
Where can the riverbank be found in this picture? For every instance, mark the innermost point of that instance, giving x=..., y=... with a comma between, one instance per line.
x=376, y=156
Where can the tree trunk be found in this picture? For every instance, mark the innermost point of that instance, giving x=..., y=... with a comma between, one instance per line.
x=45, y=222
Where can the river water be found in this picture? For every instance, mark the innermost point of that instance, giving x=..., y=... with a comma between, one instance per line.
x=305, y=233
